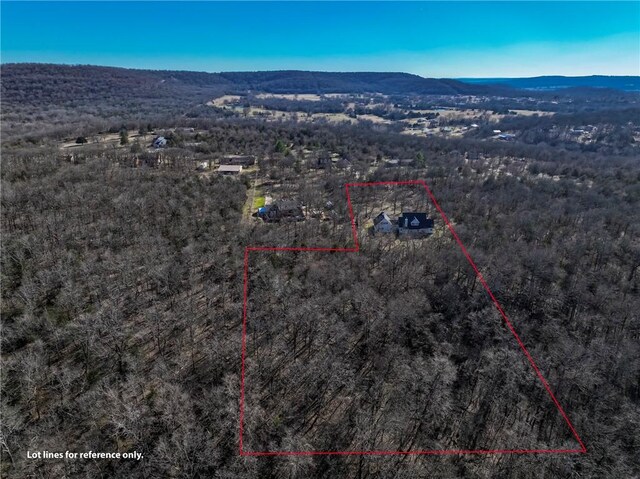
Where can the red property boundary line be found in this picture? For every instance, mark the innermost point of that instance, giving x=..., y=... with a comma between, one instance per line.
x=356, y=249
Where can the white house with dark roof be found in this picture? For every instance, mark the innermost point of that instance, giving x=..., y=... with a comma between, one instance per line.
x=382, y=224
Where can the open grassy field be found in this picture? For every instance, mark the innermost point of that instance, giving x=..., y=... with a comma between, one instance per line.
x=258, y=202
x=224, y=100
x=299, y=97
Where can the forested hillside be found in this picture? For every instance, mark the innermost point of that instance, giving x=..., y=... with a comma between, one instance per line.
x=138, y=82
x=123, y=266
x=42, y=100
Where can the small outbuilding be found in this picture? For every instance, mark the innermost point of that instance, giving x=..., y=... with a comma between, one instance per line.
x=230, y=169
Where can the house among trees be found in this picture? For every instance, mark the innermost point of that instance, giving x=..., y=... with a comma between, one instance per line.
x=230, y=169
x=159, y=142
x=415, y=224
x=341, y=163
x=203, y=165
x=283, y=210
x=321, y=163
x=399, y=162
x=382, y=224
x=391, y=163
x=408, y=225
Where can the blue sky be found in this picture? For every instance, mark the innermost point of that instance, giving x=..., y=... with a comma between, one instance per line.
x=434, y=39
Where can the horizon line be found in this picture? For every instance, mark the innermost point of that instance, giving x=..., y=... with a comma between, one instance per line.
x=211, y=72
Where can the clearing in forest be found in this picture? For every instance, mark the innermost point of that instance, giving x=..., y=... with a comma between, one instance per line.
x=387, y=347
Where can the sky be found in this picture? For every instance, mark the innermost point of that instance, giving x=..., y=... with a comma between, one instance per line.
x=432, y=39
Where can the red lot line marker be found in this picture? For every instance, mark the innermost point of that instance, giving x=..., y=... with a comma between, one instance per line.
x=356, y=249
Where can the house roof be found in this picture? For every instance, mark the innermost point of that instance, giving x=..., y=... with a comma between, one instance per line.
x=288, y=204
x=416, y=221
x=230, y=168
x=381, y=217
x=159, y=141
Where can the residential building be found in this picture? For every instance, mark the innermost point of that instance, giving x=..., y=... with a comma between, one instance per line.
x=382, y=224
x=159, y=142
x=415, y=224
x=283, y=210
x=230, y=169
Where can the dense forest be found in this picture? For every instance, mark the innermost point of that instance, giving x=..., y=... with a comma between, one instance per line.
x=122, y=293
x=272, y=81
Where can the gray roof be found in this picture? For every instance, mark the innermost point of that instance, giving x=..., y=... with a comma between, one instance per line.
x=415, y=221
x=382, y=216
x=230, y=168
x=288, y=204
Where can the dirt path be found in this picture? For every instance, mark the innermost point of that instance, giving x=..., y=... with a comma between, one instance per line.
x=248, y=207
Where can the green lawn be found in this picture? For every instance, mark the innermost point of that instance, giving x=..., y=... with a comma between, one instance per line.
x=258, y=202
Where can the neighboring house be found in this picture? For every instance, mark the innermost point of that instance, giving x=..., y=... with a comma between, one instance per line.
x=160, y=142
x=399, y=162
x=382, y=224
x=283, y=210
x=415, y=224
x=230, y=169
x=391, y=163
x=321, y=163
x=407, y=162
x=238, y=160
x=341, y=163
x=203, y=165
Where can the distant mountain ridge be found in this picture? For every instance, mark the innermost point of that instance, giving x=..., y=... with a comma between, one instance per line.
x=556, y=82
x=285, y=81
x=295, y=81
x=41, y=85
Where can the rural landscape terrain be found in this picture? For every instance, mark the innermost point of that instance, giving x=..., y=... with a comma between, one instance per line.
x=135, y=319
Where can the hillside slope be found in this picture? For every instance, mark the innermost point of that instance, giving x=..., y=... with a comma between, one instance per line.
x=63, y=83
